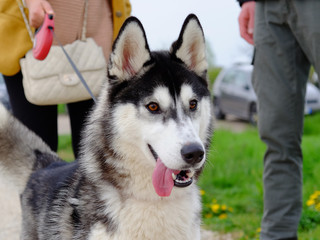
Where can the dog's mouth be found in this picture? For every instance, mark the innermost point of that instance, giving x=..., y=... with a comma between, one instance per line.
x=183, y=178
x=164, y=178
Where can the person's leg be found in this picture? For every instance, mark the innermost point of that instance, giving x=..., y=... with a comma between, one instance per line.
x=304, y=21
x=78, y=113
x=40, y=119
x=280, y=74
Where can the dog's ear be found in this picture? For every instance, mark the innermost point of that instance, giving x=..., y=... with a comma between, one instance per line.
x=190, y=47
x=130, y=51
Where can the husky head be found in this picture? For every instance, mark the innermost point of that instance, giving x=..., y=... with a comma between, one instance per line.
x=158, y=106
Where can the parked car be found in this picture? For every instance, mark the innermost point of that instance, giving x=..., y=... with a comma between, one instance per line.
x=233, y=94
x=4, y=97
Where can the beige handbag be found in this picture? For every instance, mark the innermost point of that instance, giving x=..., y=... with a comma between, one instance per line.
x=53, y=80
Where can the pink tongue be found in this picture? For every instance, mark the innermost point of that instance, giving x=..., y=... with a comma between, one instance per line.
x=162, y=179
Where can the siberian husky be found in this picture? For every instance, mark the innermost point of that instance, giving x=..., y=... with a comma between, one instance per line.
x=143, y=148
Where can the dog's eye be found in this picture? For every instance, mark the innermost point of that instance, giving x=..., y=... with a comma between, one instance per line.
x=153, y=107
x=193, y=104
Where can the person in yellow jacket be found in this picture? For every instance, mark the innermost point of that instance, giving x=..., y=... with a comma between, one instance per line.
x=105, y=17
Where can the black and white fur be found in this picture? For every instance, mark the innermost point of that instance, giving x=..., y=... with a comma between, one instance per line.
x=155, y=106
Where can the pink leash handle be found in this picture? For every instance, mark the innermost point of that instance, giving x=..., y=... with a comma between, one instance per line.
x=43, y=38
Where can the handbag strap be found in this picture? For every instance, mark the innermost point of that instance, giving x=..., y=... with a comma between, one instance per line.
x=85, y=17
x=25, y=19
x=75, y=68
x=84, y=25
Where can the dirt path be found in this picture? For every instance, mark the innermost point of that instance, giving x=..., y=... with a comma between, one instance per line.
x=231, y=124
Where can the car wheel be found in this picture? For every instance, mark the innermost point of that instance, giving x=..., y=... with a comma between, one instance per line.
x=217, y=110
x=253, y=114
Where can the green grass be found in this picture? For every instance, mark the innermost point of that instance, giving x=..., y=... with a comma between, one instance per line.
x=62, y=109
x=65, y=148
x=233, y=177
x=212, y=75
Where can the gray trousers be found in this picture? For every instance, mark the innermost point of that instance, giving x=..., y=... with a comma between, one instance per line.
x=287, y=41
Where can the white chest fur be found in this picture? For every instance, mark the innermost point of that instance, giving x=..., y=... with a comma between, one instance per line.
x=148, y=220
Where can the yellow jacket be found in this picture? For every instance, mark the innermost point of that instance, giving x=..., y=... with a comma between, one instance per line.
x=15, y=40
x=121, y=10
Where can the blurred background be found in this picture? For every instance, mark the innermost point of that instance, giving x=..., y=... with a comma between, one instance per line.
x=162, y=21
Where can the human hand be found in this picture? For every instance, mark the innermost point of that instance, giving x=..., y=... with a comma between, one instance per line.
x=37, y=11
x=246, y=21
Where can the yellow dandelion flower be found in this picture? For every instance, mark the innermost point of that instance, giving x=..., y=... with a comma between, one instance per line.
x=202, y=192
x=258, y=230
x=314, y=196
x=310, y=202
x=215, y=208
x=223, y=207
x=318, y=207
x=208, y=215
x=223, y=216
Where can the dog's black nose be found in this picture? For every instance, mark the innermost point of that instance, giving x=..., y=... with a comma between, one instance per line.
x=192, y=153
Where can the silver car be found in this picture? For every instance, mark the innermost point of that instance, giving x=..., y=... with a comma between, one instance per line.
x=233, y=94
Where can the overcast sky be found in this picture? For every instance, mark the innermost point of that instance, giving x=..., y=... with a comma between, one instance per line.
x=163, y=19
